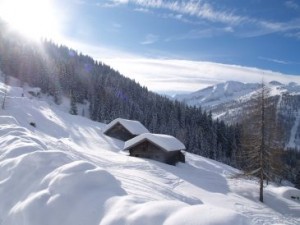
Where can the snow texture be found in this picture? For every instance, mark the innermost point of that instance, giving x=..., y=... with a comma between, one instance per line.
x=65, y=171
x=167, y=142
x=134, y=127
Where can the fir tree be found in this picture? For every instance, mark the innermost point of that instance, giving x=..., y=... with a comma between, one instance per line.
x=297, y=182
x=73, y=106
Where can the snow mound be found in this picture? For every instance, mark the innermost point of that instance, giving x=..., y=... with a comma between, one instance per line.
x=16, y=141
x=51, y=186
x=74, y=193
x=206, y=214
x=167, y=213
x=288, y=192
x=43, y=186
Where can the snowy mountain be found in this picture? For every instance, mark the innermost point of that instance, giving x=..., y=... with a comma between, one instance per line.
x=218, y=94
x=56, y=168
x=227, y=100
x=232, y=91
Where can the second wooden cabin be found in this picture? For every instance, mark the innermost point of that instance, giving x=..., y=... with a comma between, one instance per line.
x=159, y=147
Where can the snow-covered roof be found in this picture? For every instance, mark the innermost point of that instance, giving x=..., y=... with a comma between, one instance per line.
x=133, y=126
x=167, y=142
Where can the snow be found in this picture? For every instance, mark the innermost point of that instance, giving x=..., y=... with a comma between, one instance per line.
x=171, y=213
x=227, y=100
x=292, y=143
x=65, y=171
x=134, y=127
x=167, y=142
x=233, y=91
x=218, y=94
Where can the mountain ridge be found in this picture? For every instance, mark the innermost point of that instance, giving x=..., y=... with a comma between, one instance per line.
x=228, y=100
x=232, y=90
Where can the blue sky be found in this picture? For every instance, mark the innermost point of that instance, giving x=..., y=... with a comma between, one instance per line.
x=144, y=39
x=264, y=34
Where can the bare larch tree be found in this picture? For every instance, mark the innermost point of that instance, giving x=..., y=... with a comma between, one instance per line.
x=261, y=139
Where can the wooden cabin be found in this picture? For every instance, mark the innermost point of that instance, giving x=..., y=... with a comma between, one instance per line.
x=159, y=147
x=124, y=130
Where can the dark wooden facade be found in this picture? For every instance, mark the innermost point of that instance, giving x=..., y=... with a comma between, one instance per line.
x=149, y=150
x=119, y=132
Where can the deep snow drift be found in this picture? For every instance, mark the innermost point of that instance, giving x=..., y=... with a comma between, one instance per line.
x=65, y=171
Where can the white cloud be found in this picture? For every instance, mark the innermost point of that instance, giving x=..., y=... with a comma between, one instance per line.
x=262, y=27
x=169, y=75
x=291, y=5
x=165, y=75
x=143, y=10
x=279, y=61
x=294, y=35
x=112, y=3
x=150, y=39
x=201, y=33
x=204, y=11
x=198, y=9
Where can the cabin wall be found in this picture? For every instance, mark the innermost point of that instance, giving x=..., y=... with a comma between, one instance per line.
x=174, y=157
x=119, y=132
x=150, y=151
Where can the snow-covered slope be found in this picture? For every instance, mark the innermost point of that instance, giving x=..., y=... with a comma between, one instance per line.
x=60, y=169
x=232, y=91
x=228, y=100
x=218, y=94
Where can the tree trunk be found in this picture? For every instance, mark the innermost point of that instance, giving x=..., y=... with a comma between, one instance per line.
x=262, y=147
x=5, y=91
x=261, y=187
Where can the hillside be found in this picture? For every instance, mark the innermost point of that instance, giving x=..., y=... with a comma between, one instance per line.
x=104, y=94
x=228, y=100
x=65, y=171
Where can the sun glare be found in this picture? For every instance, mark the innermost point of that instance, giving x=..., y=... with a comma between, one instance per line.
x=33, y=18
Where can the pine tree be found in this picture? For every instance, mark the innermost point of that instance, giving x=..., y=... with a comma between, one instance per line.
x=5, y=90
x=297, y=183
x=73, y=106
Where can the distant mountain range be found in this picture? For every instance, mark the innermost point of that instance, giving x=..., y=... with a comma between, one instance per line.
x=227, y=100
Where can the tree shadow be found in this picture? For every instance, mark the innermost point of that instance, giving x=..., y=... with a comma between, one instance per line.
x=203, y=173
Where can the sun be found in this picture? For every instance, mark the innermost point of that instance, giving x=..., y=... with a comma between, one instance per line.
x=33, y=18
